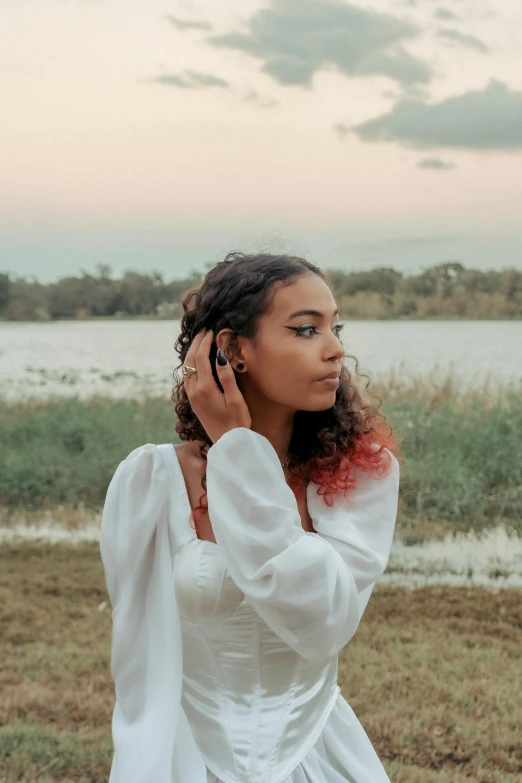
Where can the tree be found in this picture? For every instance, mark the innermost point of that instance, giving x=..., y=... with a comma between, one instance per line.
x=5, y=291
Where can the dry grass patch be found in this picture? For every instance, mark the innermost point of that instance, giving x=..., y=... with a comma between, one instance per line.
x=433, y=675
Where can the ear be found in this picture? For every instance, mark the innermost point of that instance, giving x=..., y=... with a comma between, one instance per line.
x=225, y=341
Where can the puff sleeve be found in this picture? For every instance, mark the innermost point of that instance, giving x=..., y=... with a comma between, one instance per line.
x=151, y=735
x=310, y=588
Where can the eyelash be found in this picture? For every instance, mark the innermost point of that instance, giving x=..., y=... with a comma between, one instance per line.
x=299, y=330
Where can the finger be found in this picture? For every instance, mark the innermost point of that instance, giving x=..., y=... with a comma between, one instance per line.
x=228, y=381
x=190, y=358
x=202, y=360
x=190, y=382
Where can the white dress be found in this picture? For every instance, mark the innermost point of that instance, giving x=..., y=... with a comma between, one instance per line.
x=224, y=655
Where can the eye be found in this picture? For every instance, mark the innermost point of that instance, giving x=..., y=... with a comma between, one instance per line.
x=301, y=330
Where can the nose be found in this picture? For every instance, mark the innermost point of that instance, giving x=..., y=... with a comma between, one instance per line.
x=338, y=356
x=332, y=348
x=338, y=352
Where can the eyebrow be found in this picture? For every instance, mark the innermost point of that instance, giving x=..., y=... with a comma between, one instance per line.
x=310, y=312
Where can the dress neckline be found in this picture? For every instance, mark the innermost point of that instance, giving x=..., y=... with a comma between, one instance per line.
x=186, y=501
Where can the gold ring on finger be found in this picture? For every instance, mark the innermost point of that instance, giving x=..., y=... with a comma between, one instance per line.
x=187, y=371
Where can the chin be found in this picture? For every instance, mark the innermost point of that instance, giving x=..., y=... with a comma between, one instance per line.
x=327, y=405
x=327, y=401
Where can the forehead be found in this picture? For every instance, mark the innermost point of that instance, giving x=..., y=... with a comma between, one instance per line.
x=306, y=291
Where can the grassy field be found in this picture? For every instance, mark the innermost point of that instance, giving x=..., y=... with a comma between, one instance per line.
x=433, y=675
x=462, y=471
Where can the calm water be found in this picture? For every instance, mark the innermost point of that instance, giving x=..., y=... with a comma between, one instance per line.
x=129, y=358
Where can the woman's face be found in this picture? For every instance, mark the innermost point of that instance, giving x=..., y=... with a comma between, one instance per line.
x=293, y=351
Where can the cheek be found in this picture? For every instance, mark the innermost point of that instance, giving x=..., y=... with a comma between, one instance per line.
x=269, y=372
x=283, y=374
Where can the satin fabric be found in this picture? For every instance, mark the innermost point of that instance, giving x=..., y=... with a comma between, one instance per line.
x=224, y=655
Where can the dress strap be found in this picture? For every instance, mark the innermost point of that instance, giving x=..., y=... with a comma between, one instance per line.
x=180, y=531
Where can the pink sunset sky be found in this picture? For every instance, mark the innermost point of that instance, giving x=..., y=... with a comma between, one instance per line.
x=164, y=134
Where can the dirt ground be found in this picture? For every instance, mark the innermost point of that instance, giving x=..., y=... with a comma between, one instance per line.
x=433, y=675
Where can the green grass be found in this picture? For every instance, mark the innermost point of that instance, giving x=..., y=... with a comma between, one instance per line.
x=66, y=450
x=462, y=452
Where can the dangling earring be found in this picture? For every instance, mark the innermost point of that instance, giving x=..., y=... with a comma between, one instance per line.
x=240, y=367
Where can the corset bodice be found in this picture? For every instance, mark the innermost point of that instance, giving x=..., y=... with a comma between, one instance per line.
x=255, y=704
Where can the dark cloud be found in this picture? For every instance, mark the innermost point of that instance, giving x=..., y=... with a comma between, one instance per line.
x=435, y=163
x=487, y=119
x=187, y=24
x=191, y=80
x=297, y=38
x=445, y=15
x=206, y=79
x=464, y=40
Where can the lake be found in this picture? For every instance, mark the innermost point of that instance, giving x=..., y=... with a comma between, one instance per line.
x=131, y=358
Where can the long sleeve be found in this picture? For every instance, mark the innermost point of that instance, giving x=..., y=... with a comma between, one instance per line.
x=151, y=735
x=306, y=586
x=362, y=532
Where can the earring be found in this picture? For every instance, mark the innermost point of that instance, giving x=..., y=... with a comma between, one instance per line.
x=240, y=367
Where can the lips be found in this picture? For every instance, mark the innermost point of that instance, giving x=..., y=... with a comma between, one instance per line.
x=331, y=375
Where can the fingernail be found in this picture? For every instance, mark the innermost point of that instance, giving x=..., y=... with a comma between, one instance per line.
x=208, y=330
x=221, y=358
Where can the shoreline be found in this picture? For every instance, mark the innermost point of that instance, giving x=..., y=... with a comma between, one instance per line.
x=461, y=560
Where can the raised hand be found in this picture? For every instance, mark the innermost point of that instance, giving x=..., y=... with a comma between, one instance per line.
x=217, y=411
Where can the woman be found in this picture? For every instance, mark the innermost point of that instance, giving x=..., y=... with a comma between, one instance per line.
x=226, y=636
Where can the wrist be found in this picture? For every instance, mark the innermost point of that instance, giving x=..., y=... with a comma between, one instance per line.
x=218, y=436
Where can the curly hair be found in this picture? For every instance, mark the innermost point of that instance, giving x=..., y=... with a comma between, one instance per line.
x=325, y=445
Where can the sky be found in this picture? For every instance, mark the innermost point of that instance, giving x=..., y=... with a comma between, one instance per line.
x=162, y=135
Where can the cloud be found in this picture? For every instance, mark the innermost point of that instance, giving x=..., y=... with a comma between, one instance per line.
x=399, y=243
x=444, y=15
x=297, y=38
x=435, y=163
x=487, y=119
x=263, y=101
x=194, y=80
x=341, y=129
x=426, y=239
x=187, y=24
x=465, y=40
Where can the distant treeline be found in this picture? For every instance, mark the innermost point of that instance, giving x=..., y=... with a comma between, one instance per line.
x=447, y=290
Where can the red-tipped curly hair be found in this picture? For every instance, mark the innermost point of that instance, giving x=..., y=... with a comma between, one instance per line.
x=325, y=445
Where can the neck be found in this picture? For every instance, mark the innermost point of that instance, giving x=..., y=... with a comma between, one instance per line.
x=275, y=422
x=277, y=430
